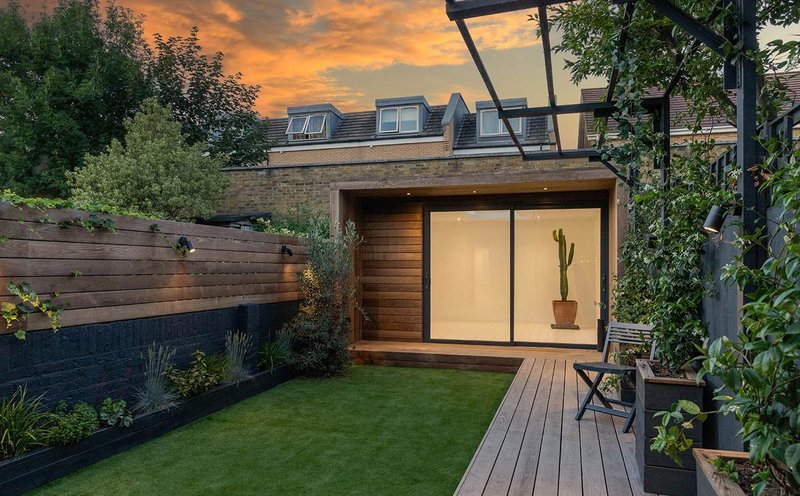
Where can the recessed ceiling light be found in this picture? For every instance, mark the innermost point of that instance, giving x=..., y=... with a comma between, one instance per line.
x=474, y=191
x=545, y=189
x=408, y=194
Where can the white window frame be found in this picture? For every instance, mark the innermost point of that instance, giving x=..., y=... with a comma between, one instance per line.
x=399, y=111
x=303, y=134
x=501, y=125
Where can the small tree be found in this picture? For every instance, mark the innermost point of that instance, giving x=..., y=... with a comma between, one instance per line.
x=320, y=333
x=154, y=171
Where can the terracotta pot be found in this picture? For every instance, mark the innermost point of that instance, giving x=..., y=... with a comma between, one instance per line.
x=711, y=483
x=565, y=312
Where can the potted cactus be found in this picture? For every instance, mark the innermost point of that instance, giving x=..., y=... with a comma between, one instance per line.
x=564, y=310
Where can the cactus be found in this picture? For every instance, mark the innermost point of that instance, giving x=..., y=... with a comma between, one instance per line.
x=564, y=261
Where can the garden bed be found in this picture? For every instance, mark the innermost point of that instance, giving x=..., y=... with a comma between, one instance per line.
x=36, y=468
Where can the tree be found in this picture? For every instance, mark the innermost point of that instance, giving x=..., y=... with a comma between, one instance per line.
x=213, y=107
x=154, y=172
x=67, y=82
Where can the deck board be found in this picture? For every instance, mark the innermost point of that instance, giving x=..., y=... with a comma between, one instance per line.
x=535, y=446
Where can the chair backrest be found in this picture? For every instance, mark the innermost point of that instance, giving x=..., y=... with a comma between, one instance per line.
x=627, y=333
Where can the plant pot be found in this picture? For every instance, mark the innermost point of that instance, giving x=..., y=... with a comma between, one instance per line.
x=564, y=313
x=709, y=481
x=658, y=472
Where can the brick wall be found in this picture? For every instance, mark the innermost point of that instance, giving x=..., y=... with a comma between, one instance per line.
x=355, y=154
x=93, y=362
x=289, y=189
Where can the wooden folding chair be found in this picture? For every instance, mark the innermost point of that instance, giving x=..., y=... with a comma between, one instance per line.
x=622, y=334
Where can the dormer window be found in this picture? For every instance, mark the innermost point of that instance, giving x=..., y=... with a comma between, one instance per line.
x=491, y=125
x=399, y=120
x=307, y=127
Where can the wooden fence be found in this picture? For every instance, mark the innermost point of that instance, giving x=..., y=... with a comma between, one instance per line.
x=135, y=272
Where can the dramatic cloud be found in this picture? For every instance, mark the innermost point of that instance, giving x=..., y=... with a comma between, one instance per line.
x=291, y=48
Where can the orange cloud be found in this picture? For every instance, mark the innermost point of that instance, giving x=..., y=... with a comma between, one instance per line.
x=289, y=47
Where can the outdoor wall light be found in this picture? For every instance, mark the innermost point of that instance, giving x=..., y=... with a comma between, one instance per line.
x=716, y=217
x=185, y=245
x=285, y=249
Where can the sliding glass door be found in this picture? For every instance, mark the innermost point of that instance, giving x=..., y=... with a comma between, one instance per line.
x=470, y=275
x=493, y=275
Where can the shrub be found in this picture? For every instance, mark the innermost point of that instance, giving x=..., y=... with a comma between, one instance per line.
x=156, y=393
x=115, y=413
x=203, y=374
x=275, y=352
x=154, y=172
x=237, y=346
x=69, y=427
x=21, y=423
x=320, y=333
x=299, y=223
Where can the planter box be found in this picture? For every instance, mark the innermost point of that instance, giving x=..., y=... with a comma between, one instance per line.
x=711, y=483
x=31, y=470
x=658, y=472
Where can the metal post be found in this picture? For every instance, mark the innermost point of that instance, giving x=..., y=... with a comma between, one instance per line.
x=746, y=131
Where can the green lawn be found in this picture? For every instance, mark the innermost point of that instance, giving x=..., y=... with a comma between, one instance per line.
x=378, y=431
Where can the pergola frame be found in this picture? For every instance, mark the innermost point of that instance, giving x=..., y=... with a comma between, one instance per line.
x=741, y=77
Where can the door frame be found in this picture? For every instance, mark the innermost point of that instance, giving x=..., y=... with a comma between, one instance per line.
x=574, y=200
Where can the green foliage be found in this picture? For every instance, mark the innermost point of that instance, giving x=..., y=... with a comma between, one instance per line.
x=213, y=108
x=16, y=200
x=275, y=352
x=204, y=373
x=30, y=302
x=154, y=171
x=727, y=468
x=115, y=413
x=70, y=426
x=156, y=394
x=320, y=333
x=70, y=78
x=626, y=355
x=299, y=223
x=237, y=346
x=21, y=423
x=564, y=261
x=671, y=438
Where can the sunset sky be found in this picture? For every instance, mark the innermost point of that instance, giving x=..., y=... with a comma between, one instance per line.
x=350, y=52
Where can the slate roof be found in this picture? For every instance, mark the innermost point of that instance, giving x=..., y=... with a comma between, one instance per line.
x=358, y=126
x=537, y=134
x=679, y=107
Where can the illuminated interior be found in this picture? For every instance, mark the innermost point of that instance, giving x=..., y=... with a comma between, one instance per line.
x=470, y=275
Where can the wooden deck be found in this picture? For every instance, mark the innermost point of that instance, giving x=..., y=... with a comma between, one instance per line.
x=534, y=445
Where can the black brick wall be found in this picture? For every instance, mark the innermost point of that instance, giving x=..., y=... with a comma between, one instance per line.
x=93, y=362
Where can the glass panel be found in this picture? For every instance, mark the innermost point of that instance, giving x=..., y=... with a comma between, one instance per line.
x=537, y=276
x=470, y=261
x=408, y=119
x=315, y=124
x=388, y=120
x=489, y=122
x=516, y=125
x=296, y=125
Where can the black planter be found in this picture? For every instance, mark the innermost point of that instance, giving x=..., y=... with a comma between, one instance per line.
x=658, y=472
x=711, y=483
x=31, y=470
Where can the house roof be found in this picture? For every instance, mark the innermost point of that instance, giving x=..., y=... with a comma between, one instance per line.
x=537, y=133
x=679, y=106
x=359, y=126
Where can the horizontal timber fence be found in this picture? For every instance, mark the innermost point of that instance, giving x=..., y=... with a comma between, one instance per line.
x=134, y=271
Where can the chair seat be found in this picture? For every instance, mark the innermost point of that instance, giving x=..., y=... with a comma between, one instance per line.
x=606, y=367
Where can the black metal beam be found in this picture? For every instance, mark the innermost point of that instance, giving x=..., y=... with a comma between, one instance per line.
x=548, y=71
x=623, y=41
x=590, y=153
x=690, y=24
x=617, y=173
x=476, y=57
x=466, y=9
x=575, y=108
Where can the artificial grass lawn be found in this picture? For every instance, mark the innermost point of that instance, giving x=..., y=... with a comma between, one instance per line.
x=377, y=431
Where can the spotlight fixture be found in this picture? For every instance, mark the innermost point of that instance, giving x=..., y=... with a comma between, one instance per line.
x=285, y=249
x=185, y=245
x=716, y=217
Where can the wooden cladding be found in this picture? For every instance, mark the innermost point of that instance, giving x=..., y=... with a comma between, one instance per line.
x=134, y=272
x=390, y=264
